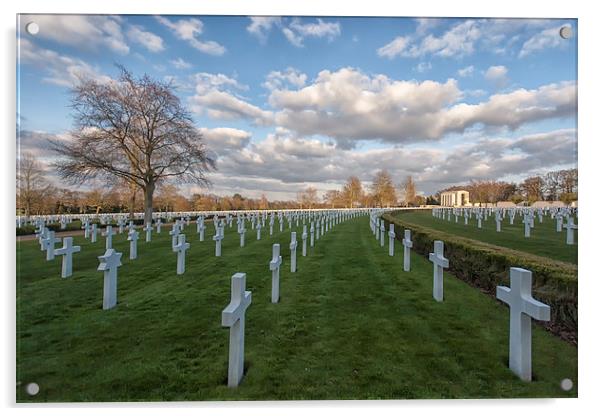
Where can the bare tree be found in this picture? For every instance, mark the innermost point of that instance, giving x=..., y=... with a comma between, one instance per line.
x=307, y=198
x=532, y=188
x=569, y=180
x=409, y=191
x=263, y=202
x=333, y=198
x=133, y=129
x=32, y=186
x=353, y=191
x=383, y=189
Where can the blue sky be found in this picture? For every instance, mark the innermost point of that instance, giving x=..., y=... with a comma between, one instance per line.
x=288, y=102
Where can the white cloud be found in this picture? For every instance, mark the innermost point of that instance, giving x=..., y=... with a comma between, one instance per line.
x=283, y=163
x=216, y=95
x=277, y=79
x=320, y=29
x=463, y=38
x=89, y=32
x=293, y=38
x=260, y=26
x=294, y=29
x=394, y=48
x=180, y=64
x=60, y=69
x=546, y=39
x=456, y=42
x=190, y=31
x=224, y=139
x=497, y=75
x=492, y=158
x=149, y=40
x=466, y=71
x=423, y=67
x=206, y=82
x=349, y=105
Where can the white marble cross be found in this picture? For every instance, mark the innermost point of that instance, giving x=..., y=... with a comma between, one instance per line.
x=377, y=229
x=109, y=262
x=382, y=233
x=275, y=268
x=120, y=224
x=148, y=228
x=234, y=317
x=259, y=230
x=559, y=220
x=67, y=252
x=175, y=232
x=86, y=228
x=522, y=308
x=527, y=222
x=181, y=248
x=311, y=234
x=498, y=222
x=293, y=247
x=391, y=239
x=304, y=240
x=93, y=233
x=407, y=245
x=200, y=227
x=241, y=232
x=48, y=244
x=42, y=234
x=133, y=239
x=109, y=237
x=158, y=224
x=439, y=263
x=570, y=231
x=218, y=237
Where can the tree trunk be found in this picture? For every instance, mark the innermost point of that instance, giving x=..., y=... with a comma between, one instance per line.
x=148, y=203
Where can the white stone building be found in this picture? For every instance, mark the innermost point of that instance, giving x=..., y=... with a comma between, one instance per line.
x=455, y=199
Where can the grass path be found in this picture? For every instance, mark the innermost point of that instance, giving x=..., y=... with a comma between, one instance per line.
x=350, y=325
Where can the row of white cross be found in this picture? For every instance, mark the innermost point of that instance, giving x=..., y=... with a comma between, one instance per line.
x=320, y=222
x=518, y=296
x=233, y=315
x=120, y=218
x=528, y=214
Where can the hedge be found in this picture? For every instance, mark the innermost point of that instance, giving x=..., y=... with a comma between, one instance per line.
x=485, y=266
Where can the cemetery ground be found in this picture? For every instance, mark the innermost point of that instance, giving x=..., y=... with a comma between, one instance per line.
x=350, y=324
x=544, y=240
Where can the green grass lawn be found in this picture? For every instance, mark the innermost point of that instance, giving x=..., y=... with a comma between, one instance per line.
x=544, y=240
x=350, y=325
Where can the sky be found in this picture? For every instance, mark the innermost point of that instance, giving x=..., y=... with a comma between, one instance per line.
x=290, y=102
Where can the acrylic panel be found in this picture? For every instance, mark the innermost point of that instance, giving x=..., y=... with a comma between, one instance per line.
x=295, y=208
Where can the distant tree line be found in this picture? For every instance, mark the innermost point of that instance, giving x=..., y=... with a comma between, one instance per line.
x=37, y=196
